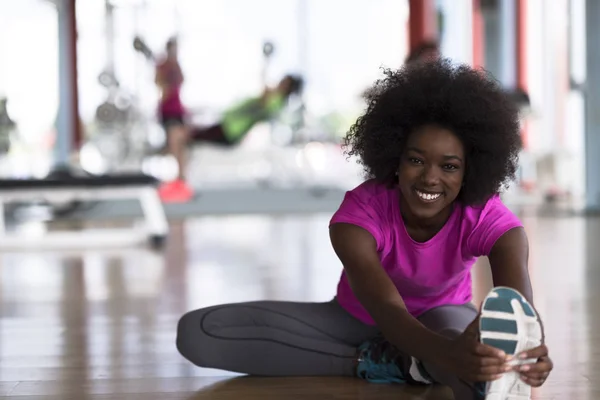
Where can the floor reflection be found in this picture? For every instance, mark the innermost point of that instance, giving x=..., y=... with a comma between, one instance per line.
x=81, y=324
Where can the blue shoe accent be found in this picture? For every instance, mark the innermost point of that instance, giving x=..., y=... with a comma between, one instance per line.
x=499, y=304
x=507, y=346
x=502, y=302
x=498, y=325
x=480, y=390
x=378, y=362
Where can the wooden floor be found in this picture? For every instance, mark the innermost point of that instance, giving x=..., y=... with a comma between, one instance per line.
x=101, y=325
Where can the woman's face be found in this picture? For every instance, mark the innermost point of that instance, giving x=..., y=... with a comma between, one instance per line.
x=431, y=172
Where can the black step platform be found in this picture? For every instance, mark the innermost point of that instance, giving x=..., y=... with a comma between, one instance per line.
x=80, y=182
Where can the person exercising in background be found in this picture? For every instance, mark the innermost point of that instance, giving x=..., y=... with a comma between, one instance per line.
x=427, y=51
x=169, y=78
x=238, y=120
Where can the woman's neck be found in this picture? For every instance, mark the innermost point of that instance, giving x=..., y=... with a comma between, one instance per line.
x=424, y=228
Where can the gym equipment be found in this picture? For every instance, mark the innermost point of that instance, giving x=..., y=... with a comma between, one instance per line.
x=61, y=189
x=268, y=51
x=285, y=135
x=120, y=134
x=62, y=185
x=142, y=47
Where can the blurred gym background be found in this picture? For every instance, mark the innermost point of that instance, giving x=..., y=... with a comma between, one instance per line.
x=231, y=49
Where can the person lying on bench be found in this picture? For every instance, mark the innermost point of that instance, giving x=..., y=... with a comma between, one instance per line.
x=238, y=120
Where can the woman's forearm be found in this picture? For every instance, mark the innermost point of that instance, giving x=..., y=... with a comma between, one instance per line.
x=508, y=261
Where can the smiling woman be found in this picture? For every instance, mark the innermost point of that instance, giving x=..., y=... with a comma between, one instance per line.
x=430, y=175
x=437, y=142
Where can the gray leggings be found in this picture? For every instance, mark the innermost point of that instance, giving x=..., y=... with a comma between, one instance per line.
x=274, y=338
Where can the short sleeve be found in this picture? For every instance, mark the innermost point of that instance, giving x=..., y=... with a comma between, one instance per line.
x=360, y=212
x=495, y=220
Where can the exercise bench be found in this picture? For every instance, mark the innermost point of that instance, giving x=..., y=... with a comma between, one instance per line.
x=115, y=187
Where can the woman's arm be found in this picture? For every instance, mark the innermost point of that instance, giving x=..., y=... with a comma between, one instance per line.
x=464, y=355
x=508, y=261
x=357, y=250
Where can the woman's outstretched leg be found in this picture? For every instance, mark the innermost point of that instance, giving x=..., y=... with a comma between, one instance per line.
x=273, y=338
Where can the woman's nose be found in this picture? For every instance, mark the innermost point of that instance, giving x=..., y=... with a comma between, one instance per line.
x=431, y=176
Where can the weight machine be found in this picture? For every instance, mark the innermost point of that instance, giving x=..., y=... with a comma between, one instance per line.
x=65, y=184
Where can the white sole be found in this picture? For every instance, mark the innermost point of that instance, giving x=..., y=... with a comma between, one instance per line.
x=510, y=323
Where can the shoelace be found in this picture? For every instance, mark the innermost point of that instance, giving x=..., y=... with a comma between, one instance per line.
x=382, y=351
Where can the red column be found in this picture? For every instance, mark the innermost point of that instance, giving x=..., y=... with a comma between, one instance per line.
x=422, y=22
x=478, y=36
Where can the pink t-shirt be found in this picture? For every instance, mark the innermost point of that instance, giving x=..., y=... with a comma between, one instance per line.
x=428, y=274
x=171, y=104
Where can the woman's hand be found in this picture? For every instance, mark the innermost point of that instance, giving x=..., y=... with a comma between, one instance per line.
x=535, y=374
x=474, y=361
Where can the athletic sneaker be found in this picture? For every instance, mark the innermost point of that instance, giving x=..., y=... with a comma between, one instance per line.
x=176, y=191
x=508, y=322
x=381, y=362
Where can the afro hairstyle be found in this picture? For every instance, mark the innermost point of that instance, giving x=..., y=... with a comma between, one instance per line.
x=466, y=101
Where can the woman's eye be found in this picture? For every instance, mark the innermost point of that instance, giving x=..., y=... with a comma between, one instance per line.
x=415, y=160
x=450, y=167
